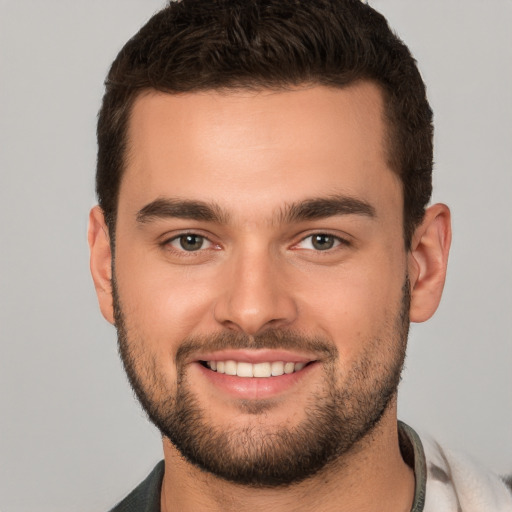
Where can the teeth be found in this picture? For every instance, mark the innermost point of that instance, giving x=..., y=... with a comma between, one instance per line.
x=277, y=368
x=243, y=369
x=262, y=370
x=289, y=367
x=230, y=368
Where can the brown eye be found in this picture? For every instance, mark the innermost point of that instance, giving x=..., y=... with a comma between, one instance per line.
x=190, y=242
x=322, y=242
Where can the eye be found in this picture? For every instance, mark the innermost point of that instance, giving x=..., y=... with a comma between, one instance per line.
x=320, y=242
x=190, y=242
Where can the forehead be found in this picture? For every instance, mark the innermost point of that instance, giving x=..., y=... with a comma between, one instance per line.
x=251, y=148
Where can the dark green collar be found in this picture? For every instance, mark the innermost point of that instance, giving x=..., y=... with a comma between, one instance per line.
x=414, y=455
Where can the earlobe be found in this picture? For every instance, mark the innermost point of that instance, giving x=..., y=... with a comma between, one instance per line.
x=101, y=261
x=428, y=260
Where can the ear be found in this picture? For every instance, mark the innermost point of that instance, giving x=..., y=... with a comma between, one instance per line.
x=101, y=261
x=428, y=259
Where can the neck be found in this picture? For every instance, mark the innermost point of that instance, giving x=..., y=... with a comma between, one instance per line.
x=372, y=477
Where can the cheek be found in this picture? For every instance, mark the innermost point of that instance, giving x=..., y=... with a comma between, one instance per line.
x=163, y=304
x=354, y=307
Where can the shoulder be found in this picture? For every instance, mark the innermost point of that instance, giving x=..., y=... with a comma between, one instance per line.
x=146, y=496
x=456, y=482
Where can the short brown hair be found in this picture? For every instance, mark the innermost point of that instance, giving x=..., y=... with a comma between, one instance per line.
x=197, y=45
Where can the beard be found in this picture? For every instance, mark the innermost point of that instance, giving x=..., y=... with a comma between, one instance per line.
x=338, y=415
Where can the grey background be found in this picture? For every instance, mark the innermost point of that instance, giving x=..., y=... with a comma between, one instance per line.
x=72, y=438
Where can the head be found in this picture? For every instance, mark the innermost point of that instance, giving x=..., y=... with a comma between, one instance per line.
x=263, y=171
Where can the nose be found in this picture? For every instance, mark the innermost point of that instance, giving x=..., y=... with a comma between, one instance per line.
x=255, y=294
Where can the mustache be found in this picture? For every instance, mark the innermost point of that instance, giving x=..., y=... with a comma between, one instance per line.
x=270, y=339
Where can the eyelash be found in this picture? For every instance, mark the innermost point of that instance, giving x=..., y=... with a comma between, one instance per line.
x=168, y=243
x=337, y=240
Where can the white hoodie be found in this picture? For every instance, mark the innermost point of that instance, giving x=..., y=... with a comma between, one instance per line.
x=450, y=482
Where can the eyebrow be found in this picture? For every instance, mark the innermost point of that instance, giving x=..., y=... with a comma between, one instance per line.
x=323, y=207
x=163, y=208
x=309, y=209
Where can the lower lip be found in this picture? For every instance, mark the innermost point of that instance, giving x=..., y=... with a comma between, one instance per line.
x=254, y=388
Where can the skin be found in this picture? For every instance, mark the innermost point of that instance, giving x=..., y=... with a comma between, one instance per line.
x=254, y=153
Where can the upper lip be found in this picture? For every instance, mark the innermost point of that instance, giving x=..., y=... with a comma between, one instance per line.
x=255, y=356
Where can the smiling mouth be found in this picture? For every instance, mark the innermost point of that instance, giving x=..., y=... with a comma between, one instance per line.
x=258, y=370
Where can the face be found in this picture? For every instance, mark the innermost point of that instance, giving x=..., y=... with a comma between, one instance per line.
x=261, y=294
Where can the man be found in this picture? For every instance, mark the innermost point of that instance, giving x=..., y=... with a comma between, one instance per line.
x=261, y=243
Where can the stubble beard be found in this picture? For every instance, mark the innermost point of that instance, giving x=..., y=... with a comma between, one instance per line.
x=337, y=419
